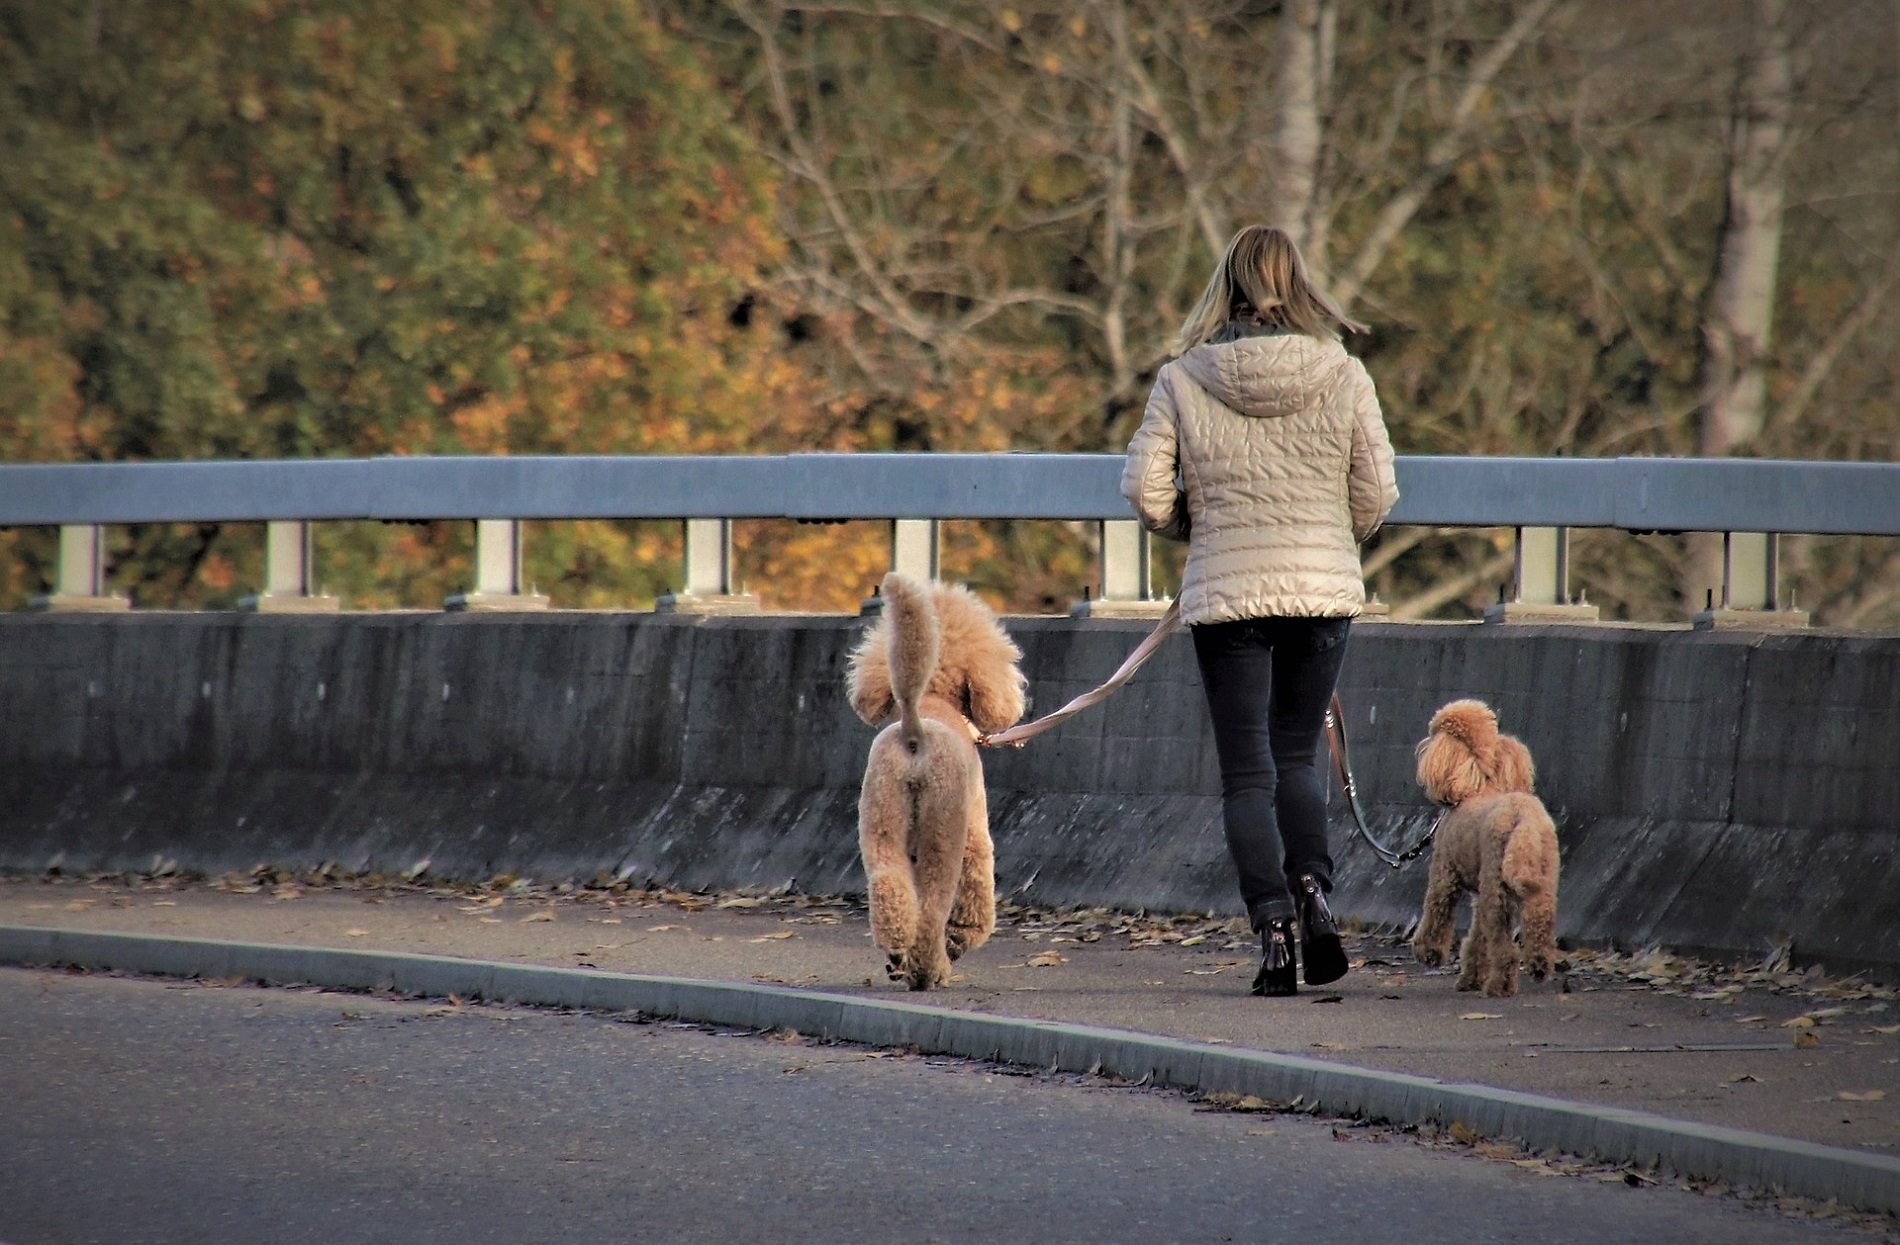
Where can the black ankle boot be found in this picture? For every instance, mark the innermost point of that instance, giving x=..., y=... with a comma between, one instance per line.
x=1278, y=975
x=1320, y=947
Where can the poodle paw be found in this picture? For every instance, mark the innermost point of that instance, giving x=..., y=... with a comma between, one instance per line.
x=924, y=975
x=897, y=966
x=955, y=943
x=1430, y=957
x=1546, y=965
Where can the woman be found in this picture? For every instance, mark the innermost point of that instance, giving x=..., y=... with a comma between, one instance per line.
x=1262, y=446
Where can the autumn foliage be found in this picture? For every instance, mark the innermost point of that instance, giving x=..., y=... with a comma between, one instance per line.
x=294, y=228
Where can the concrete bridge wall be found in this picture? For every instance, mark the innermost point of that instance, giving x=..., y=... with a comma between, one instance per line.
x=1715, y=792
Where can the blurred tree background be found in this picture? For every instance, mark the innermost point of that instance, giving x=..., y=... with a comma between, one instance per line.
x=262, y=228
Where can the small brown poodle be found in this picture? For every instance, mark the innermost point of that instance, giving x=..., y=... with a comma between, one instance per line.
x=1496, y=839
x=937, y=661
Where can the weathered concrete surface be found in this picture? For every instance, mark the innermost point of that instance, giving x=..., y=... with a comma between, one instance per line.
x=1716, y=792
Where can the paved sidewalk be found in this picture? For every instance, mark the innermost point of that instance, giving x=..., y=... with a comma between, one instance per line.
x=1793, y=1055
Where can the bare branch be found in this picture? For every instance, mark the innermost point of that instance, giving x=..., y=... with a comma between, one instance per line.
x=1821, y=363
x=1440, y=155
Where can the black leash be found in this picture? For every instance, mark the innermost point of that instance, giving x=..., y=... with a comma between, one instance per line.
x=1342, y=765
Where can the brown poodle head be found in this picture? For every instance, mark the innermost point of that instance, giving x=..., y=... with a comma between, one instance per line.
x=976, y=666
x=1464, y=756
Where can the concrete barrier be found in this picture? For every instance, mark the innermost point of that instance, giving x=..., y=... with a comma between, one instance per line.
x=1716, y=792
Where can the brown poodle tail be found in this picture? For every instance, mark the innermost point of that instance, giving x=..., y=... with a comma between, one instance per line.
x=915, y=640
x=1528, y=866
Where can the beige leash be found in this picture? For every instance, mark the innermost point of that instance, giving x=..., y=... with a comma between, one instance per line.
x=1016, y=735
x=1170, y=622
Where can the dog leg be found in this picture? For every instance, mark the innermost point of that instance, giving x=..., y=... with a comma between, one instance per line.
x=884, y=846
x=973, y=914
x=1494, y=964
x=1472, y=955
x=942, y=826
x=1431, y=944
x=1538, y=935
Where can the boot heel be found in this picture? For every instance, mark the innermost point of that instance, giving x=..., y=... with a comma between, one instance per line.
x=1320, y=946
x=1278, y=975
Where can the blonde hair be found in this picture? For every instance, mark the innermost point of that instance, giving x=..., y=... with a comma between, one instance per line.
x=1262, y=278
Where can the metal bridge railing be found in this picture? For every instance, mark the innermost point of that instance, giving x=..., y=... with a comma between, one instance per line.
x=1751, y=501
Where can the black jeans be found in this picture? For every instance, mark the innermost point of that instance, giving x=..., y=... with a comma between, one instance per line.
x=1268, y=683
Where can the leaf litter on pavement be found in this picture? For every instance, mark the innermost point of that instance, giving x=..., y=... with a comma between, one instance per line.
x=1651, y=969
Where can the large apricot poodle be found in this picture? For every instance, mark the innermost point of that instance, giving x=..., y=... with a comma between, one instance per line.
x=1496, y=840
x=939, y=663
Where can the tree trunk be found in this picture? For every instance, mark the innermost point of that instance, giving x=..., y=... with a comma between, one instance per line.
x=1738, y=314
x=1299, y=124
x=1738, y=319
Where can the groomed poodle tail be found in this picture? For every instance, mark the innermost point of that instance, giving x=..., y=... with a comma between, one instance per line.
x=915, y=641
x=1526, y=865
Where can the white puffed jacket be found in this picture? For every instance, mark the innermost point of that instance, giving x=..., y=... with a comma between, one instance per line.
x=1269, y=456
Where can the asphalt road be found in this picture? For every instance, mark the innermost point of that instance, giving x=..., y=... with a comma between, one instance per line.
x=136, y=1111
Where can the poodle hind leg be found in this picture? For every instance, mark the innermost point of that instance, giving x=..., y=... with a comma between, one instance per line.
x=1538, y=934
x=941, y=825
x=883, y=845
x=973, y=914
x=1494, y=967
x=1473, y=955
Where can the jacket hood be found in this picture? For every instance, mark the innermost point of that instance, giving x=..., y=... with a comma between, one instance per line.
x=1269, y=376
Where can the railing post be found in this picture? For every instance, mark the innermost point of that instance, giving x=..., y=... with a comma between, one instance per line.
x=916, y=551
x=1751, y=590
x=706, y=571
x=497, y=571
x=1540, y=580
x=79, y=580
x=1124, y=589
x=288, y=577
x=916, y=547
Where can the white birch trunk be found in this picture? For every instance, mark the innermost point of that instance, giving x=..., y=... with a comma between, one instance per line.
x=1738, y=319
x=1298, y=127
x=1738, y=314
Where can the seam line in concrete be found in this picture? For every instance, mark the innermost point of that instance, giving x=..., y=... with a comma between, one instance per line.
x=1701, y=1151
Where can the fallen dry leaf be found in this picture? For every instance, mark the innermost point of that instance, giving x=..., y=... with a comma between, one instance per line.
x=1806, y=1037
x=356, y=933
x=537, y=916
x=1046, y=959
x=1871, y=1095
x=1481, y=1016
x=1227, y=1100
x=781, y=936
x=1539, y=1166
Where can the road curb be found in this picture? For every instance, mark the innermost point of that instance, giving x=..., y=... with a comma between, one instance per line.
x=1756, y=1160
